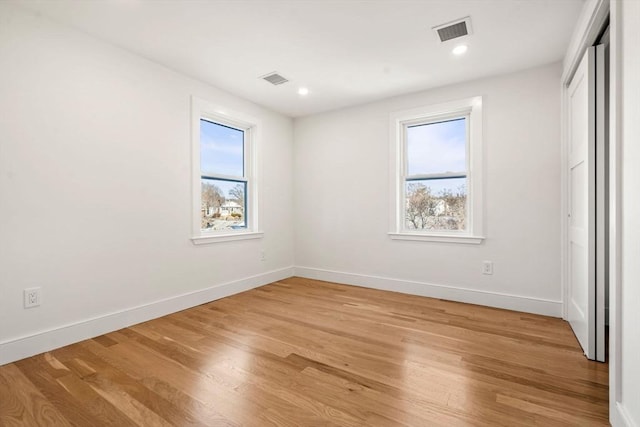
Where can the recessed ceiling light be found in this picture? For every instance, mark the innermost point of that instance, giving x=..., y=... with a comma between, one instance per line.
x=303, y=91
x=459, y=50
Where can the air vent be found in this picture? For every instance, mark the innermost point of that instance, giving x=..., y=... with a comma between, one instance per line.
x=453, y=30
x=274, y=78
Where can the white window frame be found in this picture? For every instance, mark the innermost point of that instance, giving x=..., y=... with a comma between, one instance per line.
x=201, y=109
x=399, y=121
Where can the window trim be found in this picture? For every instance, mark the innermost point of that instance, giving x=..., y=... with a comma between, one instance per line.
x=201, y=109
x=399, y=121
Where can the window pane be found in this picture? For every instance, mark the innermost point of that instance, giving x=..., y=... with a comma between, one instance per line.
x=223, y=204
x=436, y=204
x=221, y=149
x=437, y=147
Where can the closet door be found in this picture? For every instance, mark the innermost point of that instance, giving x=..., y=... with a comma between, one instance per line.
x=582, y=204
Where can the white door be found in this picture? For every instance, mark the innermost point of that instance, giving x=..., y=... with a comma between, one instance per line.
x=581, y=257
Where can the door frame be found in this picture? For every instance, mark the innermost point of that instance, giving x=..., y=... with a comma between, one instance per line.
x=591, y=22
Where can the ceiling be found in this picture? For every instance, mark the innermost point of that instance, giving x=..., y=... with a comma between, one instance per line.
x=346, y=52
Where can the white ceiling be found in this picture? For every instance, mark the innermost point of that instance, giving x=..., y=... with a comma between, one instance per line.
x=346, y=52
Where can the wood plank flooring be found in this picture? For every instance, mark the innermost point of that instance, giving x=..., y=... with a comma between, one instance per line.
x=307, y=353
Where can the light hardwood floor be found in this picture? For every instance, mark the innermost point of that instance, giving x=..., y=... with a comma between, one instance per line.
x=306, y=353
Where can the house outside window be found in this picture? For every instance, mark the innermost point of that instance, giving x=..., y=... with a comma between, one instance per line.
x=436, y=180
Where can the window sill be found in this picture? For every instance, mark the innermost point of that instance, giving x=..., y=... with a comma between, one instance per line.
x=443, y=238
x=228, y=237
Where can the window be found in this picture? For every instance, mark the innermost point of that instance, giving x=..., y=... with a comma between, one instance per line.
x=224, y=187
x=436, y=179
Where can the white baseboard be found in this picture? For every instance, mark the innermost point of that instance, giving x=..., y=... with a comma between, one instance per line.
x=620, y=417
x=40, y=342
x=472, y=296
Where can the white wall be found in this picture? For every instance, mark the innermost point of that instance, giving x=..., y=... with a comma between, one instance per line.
x=628, y=303
x=95, y=189
x=341, y=197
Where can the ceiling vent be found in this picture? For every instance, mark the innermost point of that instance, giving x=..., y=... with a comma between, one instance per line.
x=453, y=30
x=274, y=78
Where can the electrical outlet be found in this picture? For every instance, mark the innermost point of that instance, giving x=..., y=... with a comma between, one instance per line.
x=487, y=267
x=31, y=297
x=263, y=255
